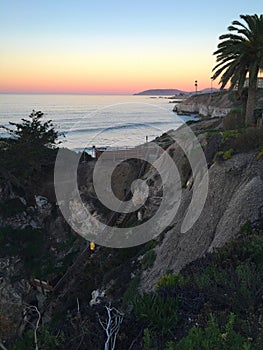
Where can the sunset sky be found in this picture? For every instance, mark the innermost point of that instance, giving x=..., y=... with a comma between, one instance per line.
x=110, y=46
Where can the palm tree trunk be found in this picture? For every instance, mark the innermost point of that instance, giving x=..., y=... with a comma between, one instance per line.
x=251, y=100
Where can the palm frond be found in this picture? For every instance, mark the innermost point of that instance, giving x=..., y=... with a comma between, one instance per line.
x=239, y=51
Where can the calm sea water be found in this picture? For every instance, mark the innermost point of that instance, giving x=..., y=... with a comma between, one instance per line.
x=101, y=120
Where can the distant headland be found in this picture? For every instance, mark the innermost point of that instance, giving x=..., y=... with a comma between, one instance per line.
x=172, y=92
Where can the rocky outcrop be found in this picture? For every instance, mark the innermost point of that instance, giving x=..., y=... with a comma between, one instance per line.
x=234, y=196
x=216, y=104
x=23, y=212
x=13, y=290
x=213, y=105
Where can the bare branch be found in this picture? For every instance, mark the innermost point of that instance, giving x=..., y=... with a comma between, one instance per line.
x=34, y=309
x=111, y=326
x=2, y=346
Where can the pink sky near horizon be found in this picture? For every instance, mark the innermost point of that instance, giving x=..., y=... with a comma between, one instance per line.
x=103, y=72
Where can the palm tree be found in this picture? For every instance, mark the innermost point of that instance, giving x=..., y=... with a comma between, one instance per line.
x=241, y=54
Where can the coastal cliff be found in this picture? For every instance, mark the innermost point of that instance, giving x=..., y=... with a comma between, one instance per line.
x=217, y=104
x=37, y=244
x=234, y=197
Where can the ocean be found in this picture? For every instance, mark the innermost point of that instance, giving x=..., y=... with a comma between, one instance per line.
x=100, y=120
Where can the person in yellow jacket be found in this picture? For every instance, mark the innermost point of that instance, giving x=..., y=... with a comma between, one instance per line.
x=92, y=246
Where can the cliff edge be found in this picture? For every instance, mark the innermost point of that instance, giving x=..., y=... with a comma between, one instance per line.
x=234, y=197
x=217, y=104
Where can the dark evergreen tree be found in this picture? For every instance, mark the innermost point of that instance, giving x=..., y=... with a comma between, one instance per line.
x=34, y=132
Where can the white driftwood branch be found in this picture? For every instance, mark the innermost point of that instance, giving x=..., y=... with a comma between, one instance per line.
x=2, y=346
x=35, y=309
x=111, y=326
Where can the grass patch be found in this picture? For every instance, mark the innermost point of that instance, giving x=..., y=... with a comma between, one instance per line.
x=131, y=292
x=211, y=337
x=221, y=293
x=170, y=280
x=224, y=155
x=159, y=313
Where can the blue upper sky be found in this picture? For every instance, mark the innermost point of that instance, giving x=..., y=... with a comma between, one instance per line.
x=114, y=17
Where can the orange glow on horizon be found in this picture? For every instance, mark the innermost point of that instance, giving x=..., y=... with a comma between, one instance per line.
x=109, y=73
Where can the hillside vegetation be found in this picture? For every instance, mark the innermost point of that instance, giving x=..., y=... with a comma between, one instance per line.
x=198, y=290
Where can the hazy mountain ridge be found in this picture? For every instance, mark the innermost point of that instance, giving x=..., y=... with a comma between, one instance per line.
x=172, y=92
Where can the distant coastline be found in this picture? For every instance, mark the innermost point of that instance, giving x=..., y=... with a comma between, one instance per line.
x=172, y=92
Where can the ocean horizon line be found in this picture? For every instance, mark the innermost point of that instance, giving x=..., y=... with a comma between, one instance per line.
x=66, y=93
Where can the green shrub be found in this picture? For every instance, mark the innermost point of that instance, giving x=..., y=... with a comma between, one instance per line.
x=170, y=346
x=227, y=155
x=236, y=275
x=260, y=153
x=161, y=314
x=147, y=342
x=212, y=275
x=249, y=140
x=230, y=134
x=212, y=338
x=46, y=341
x=235, y=119
x=170, y=280
x=246, y=227
x=253, y=249
x=218, y=155
x=146, y=339
x=249, y=280
x=248, y=248
x=238, y=141
x=224, y=155
x=230, y=279
x=131, y=292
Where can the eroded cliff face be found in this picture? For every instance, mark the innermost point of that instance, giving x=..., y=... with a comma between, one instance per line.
x=234, y=196
x=35, y=240
x=213, y=105
x=217, y=104
x=31, y=233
